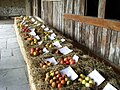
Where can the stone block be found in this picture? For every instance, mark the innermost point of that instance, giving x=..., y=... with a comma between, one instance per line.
x=6, y=53
x=12, y=77
x=11, y=62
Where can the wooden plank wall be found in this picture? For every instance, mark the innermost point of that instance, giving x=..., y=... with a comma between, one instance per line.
x=100, y=40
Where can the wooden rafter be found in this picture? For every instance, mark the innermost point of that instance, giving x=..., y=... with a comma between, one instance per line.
x=109, y=24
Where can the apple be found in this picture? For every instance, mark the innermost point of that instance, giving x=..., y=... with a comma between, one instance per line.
x=87, y=78
x=38, y=49
x=62, y=61
x=82, y=76
x=87, y=85
x=72, y=62
x=83, y=82
x=44, y=66
x=59, y=85
x=32, y=50
x=63, y=82
x=53, y=84
x=51, y=81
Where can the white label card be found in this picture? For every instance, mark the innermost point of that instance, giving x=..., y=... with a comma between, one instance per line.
x=45, y=50
x=62, y=40
x=51, y=37
x=109, y=87
x=33, y=19
x=39, y=43
x=65, y=50
x=46, y=29
x=52, y=60
x=37, y=37
x=57, y=44
x=75, y=57
x=35, y=22
x=43, y=26
x=32, y=33
x=97, y=77
x=70, y=73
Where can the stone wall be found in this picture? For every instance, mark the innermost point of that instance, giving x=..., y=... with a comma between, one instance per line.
x=12, y=7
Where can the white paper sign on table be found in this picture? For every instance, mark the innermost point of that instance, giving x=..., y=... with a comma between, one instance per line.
x=35, y=22
x=62, y=40
x=37, y=37
x=38, y=24
x=39, y=43
x=33, y=19
x=32, y=29
x=43, y=26
x=57, y=44
x=51, y=37
x=65, y=50
x=97, y=77
x=51, y=31
x=69, y=72
x=75, y=57
x=32, y=33
x=109, y=87
x=46, y=29
x=52, y=60
x=45, y=50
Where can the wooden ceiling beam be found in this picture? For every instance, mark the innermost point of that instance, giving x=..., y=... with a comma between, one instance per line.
x=109, y=24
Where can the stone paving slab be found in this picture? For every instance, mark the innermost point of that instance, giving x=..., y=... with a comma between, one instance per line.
x=11, y=62
x=12, y=45
x=12, y=77
x=6, y=53
x=20, y=87
x=3, y=88
x=3, y=43
x=12, y=40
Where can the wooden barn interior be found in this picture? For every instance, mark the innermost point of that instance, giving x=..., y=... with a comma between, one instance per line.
x=91, y=27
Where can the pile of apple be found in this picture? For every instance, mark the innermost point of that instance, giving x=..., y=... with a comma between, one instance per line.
x=67, y=61
x=46, y=64
x=49, y=45
x=86, y=81
x=35, y=51
x=25, y=29
x=33, y=41
x=56, y=79
x=46, y=35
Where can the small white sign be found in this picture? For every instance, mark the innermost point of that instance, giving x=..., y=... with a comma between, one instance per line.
x=43, y=26
x=62, y=40
x=53, y=35
x=32, y=29
x=32, y=33
x=70, y=73
x=52, y=60
x=57, y=44
x=51, y=31
x=35, y=22
x=46, y=29
x=45, y=50
x=39, y=43
x=33, y=19
x=75, y=57
x=37, y=37
x=65, y=50
x=97, y=77
x=38, y=24
x=109, y=87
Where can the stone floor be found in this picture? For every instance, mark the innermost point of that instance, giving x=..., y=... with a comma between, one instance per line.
x=13, y=73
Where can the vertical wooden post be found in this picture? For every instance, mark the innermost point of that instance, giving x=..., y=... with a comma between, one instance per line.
x=101, y=8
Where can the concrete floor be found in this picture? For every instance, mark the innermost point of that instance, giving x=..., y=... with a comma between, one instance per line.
x=13, y=73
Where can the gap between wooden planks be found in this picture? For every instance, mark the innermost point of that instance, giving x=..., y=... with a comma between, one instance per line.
x=109, y=24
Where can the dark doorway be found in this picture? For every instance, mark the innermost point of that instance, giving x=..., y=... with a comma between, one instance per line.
x=92, y=8
x=112, y=9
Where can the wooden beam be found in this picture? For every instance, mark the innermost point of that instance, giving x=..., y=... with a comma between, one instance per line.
x=101, y=8
x=109, y=24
